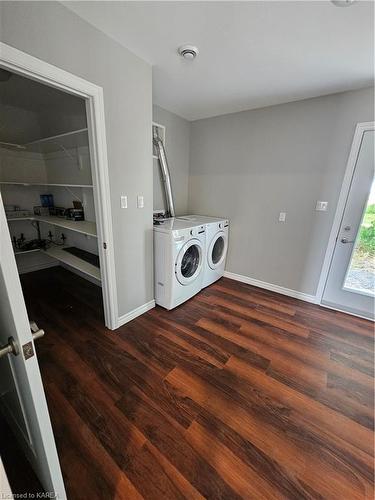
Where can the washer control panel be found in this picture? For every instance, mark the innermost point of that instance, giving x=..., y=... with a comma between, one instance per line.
x=195, y=231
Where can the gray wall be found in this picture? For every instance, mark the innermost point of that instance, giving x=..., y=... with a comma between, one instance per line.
x=55, y=34
x=252, y=165
x=21, y=124
x=178, y=150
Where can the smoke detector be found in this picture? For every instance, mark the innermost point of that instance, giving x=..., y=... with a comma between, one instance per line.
x=188, y=52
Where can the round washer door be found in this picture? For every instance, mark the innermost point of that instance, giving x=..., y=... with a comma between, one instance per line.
x=217, y=250
x=189, y=262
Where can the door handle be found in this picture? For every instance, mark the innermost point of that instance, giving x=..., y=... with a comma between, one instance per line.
x=35, y=330
x=10, y=348
x=345, y=240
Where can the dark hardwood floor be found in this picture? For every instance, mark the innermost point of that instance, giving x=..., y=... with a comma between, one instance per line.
x=238, y=393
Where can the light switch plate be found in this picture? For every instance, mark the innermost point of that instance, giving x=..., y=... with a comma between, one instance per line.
x=140, y=201
x=124, y=202
x=321, y=206
x=282, y=217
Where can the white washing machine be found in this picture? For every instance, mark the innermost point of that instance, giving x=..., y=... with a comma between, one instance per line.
x=217, y=233
x=179, y=255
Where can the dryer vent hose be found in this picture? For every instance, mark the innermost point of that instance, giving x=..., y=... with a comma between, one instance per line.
x=160, y=150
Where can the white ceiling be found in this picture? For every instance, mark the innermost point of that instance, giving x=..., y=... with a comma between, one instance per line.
x=252, y=54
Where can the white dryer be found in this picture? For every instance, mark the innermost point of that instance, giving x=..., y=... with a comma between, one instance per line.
x=179, y=254
x=217, y=234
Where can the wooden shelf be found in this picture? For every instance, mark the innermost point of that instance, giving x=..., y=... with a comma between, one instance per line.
x=12, y=219
x=74, y=262
x=21, y=252
x=68, y=140
x=10, y=183
x=67, y=258
x=79, y=226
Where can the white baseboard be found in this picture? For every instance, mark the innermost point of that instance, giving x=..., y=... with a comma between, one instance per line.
x=273, y=288
x=135, y=313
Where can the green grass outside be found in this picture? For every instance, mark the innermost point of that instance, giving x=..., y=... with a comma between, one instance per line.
x=369, y=218
x=366, y=242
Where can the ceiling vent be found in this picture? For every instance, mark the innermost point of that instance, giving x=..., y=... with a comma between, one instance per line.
x=188, y=52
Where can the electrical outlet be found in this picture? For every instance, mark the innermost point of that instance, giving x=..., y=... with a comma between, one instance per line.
x=282, y=217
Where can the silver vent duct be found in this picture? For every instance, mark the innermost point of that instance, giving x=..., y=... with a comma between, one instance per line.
x=160, y=151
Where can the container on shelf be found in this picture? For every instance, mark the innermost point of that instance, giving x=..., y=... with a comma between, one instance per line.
x=41, y=210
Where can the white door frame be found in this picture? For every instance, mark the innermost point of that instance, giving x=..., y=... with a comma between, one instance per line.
x=360, y=129
x=31, y=67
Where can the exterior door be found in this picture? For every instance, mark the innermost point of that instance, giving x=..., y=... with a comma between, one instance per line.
x=350, y=282
x=21, y=389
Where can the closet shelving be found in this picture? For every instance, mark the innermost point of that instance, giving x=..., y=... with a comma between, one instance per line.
x=66, y=258
x=10, y=183
x=19, y=252
x=73, y=261
x=65, y=141
x=82, y=226
x=62, y=143
x=56, y=143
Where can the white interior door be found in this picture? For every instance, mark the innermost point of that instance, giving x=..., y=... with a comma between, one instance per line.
x=21, y=389
x=351, y=277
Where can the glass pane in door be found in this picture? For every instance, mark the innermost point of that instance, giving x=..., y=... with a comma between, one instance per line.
x=360, y=276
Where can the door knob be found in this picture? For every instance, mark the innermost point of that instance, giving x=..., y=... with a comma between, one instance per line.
x=345, y=240
x=35, y=330
x=10, y=348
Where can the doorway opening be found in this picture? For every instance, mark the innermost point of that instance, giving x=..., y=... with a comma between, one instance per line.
x=54, y=173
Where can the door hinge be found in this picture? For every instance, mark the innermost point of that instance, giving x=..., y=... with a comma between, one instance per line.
x=105, y=246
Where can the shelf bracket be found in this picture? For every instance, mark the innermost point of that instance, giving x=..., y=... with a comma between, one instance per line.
x=71, y=192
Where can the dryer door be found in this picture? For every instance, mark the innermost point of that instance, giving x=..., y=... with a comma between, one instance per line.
x=217, y=250
x=189, y=262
